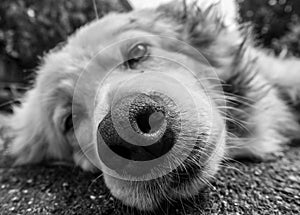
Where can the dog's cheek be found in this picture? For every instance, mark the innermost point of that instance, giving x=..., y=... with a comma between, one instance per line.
x=84, y=150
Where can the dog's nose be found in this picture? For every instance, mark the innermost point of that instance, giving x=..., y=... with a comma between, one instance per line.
x=146, y=116
x=139, y=127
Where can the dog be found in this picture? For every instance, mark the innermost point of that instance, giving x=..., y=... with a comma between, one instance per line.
x=174, y=82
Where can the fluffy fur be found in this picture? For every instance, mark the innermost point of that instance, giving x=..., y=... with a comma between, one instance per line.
x=260, y=92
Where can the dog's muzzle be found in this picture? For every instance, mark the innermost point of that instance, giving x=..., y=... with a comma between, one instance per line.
x=138, y=128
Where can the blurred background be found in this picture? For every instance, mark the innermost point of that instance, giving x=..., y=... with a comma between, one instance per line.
x=30, y=28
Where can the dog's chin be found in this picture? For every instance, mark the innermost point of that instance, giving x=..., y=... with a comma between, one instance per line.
x=150, y=195
x=134, y=194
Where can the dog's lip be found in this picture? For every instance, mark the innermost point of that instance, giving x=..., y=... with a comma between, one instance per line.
x=185, y=172
x=170, y=183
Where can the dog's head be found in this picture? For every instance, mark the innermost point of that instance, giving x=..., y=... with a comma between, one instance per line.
x=136, y=96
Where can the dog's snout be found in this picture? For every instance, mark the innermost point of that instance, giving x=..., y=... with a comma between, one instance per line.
x=139, y=128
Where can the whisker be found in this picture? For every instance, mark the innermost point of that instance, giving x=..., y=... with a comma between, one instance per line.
x=85, y=150
x=230, y=167
x=95, y=180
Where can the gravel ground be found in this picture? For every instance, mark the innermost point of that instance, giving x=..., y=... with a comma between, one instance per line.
x=270, y=187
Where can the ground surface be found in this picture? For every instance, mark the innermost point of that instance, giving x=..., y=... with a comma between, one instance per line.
x=271, y=187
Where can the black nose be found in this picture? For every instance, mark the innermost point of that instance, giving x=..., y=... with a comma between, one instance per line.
x=146, y=116
x=144, y=119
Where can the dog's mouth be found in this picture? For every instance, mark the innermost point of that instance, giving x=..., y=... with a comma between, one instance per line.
x=151, y=150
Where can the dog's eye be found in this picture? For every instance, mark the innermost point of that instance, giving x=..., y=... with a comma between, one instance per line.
x=68, y=123
x=137, y=54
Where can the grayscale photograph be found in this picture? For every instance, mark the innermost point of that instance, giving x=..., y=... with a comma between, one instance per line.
x=180, y=107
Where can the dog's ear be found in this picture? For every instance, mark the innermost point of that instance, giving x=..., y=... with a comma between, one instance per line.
x=34, y=137
x=209, y=26
x=227, y=9
x=223, y=11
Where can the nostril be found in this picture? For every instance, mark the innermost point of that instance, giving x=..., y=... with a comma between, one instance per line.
x=143, y=124
x=150, y=122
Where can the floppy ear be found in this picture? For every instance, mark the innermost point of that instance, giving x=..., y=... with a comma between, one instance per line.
x=209, y=26
x=34, y=137
x=225, y=10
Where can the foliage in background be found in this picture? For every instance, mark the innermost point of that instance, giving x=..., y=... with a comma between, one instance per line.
x=290, y=43
x=28, y=28
x=276, y=23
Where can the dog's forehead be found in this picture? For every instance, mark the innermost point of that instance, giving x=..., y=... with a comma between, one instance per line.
x=69, y=62
x=106, y=30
